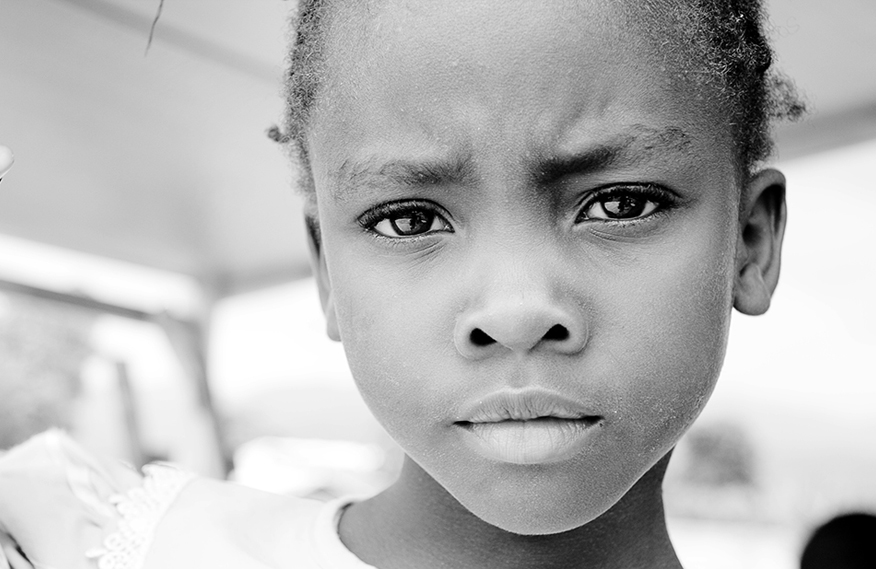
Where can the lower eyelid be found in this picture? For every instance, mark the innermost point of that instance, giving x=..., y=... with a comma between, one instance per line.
x=418, y=244
x=652, y=217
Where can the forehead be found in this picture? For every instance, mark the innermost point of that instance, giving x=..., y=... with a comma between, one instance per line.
x=463, y=77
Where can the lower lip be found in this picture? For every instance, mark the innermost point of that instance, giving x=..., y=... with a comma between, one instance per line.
x=537, y=441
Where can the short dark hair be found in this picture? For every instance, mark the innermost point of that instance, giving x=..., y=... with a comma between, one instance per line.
x=729, y=33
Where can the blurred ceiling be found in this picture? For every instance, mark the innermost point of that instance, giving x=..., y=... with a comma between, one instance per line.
x=161, y=159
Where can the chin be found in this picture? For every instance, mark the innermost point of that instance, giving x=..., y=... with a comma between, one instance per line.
x=547, y=501
x=531, y=510
x=535, y=521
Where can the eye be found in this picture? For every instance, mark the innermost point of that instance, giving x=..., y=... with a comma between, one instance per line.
x=624, y=203
x=400, y=220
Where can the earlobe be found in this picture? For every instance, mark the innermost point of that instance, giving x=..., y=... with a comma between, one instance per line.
x=331, y=320
x=759, y=249
x=320, y=273
x=752, y=294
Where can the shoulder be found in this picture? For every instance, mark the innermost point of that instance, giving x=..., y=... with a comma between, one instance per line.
x=220, y=524
x=65, y=508
x=55, y=498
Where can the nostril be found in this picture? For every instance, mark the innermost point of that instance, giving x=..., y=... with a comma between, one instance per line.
x=557, y=332
x=480, y=338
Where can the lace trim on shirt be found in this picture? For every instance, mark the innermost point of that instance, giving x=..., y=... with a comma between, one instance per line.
x=140, y=510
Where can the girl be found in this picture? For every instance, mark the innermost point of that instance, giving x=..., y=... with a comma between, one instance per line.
x=529, y=223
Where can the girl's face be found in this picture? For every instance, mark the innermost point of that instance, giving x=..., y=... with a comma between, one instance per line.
x=528, y=235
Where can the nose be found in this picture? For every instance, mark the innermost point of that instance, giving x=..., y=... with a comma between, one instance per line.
x=522, y=324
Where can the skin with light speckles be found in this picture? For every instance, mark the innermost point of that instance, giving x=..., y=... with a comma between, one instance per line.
x=526, y=224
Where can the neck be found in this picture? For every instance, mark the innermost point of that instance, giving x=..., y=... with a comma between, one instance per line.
x=417, y=524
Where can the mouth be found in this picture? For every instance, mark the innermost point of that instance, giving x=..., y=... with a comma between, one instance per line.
x=546, y=420
x=528, y=427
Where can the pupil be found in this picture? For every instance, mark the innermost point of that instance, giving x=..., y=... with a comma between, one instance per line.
x=624, y=207
x=412, y=223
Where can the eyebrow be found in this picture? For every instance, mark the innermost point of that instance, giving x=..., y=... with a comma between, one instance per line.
x=371, y=172
x=637, y=146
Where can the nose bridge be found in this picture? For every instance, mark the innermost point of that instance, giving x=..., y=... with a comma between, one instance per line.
x=516, y=267
x=520, y=303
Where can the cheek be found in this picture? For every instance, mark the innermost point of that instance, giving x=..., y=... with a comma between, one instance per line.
x=395, y=336
x=673, y=337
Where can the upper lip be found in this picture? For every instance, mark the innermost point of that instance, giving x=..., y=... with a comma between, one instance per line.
x=524, y=405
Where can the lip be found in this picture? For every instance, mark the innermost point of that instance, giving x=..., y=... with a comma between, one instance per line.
x=530, y=426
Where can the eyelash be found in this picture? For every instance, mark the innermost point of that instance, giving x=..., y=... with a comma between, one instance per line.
x=371, y=218
x=661, y=198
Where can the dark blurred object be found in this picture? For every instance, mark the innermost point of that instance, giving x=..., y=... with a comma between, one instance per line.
x=845, y=542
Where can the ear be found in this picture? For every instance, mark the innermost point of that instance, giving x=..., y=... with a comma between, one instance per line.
x=759, y=250
x=320, y=273
x=6, y=160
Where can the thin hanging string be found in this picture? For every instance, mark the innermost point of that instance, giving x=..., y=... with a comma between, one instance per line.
x=152, y=29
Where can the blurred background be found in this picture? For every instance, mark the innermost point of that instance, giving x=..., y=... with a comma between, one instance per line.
x=155, y=297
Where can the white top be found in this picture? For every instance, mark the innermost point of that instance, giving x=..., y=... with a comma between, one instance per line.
x=67, y=509
x=328, y=550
